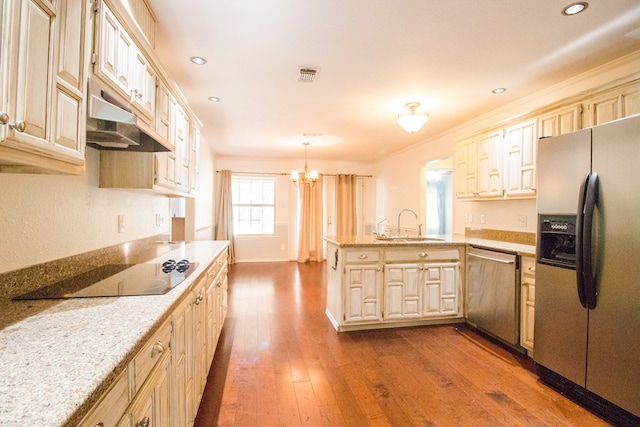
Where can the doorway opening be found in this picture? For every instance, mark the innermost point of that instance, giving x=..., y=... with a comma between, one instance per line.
x=439, y=196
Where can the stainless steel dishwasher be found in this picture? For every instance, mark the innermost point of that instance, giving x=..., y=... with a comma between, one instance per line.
x=493, y=294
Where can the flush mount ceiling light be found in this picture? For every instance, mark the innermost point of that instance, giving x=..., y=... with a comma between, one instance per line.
x=214, y=99
x=198, y=60
x=412, y=121
x=308, y=176
x=499, y=90
x=575, y=8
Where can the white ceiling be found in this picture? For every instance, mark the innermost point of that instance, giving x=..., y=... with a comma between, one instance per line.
x=373, y=57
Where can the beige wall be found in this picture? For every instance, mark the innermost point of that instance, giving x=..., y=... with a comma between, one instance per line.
x=398, y=181
x=283, y=245
x=47, y=217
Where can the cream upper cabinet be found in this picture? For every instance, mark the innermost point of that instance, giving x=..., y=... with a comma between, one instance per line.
x=521, y=144
x=479, y=166
x=466, y=168
x=143, y=90
x=613, y=104
x=560, y=121
x=181, y=141
x=490, y=168
x=123, y=65
x=43, y=86
x=163, y=110
x=194, y=159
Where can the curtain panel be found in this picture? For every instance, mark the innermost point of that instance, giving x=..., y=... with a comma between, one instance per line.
x=346, y=220
x=224, y=223
x=310, y=225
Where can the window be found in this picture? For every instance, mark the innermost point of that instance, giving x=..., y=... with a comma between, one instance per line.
x=254, y=205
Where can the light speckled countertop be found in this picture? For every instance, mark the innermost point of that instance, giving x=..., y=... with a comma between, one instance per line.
x=58, y=356
x=455, y=240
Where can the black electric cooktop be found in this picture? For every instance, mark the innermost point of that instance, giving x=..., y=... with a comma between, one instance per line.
x=114, y=280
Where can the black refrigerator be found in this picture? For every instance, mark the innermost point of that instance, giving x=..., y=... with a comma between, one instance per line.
x=587, y=308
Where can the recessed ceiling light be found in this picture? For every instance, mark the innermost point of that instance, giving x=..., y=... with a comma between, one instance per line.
x=575, y=8
x=498, y=90
x=198, y=60
x=214, y=99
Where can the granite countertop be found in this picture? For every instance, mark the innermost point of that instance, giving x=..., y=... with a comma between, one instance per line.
x=57, y=357
x=448, y=240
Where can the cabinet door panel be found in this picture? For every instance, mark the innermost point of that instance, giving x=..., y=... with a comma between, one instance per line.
x=67, y=120
x=71, y=60
x=34, y=75
x=363, y=293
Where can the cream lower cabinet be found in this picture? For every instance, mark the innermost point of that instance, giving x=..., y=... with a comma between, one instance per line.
x=378, y=287
x=141, y=394
x=441, y=290
x=44, y=47
x=427, y=287
x=152, y=404
x=402, y=291
x=363, y=293
x=163, y=384
x=528, y=301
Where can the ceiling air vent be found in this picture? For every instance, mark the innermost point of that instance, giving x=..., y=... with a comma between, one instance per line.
x=307, y=75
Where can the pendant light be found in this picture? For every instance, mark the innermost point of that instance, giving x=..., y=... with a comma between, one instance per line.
x=412, y=122
x=308, y=177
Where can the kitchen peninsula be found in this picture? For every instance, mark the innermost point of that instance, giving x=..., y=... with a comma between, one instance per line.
x=384, y=283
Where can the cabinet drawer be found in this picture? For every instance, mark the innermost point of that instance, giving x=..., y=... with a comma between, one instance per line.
x=109, y=410
x=150, y=354
x=421, y=254
x=362, y=256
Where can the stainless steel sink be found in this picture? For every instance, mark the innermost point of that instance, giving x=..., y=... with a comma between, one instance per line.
x=409, y=239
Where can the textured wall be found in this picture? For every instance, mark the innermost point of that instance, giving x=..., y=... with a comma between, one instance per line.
x=46, y=217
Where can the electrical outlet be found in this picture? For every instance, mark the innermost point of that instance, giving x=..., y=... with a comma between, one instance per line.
x=522, y=220
x=120, y=223
x=483, y=219
x=159, y=220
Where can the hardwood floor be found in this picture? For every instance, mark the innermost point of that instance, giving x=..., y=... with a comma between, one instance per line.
x=279, y=362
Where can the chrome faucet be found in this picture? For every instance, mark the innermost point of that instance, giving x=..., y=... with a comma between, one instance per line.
x=400, y=214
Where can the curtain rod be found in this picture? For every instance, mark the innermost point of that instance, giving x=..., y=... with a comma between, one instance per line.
x=287, y=174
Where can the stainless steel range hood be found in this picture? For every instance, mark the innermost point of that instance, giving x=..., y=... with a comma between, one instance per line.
x=111, y=125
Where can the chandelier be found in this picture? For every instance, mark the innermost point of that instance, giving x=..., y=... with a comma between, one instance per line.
x=412, y=121
x=307, y=177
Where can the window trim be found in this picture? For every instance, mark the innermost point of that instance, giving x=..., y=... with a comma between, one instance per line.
x=257, y=177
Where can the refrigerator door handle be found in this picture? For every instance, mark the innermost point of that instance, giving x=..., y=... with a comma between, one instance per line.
x=584, y=245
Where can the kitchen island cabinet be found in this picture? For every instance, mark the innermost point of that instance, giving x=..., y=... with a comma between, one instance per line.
x=76, y=361
x=381, y=284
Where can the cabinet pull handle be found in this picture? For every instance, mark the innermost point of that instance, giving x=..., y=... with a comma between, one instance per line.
x=532, y=269
x=157, y=349
x=18, y=126
x=423, y=254
x=4, y=118
x=143, y=423
x=363, y=256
